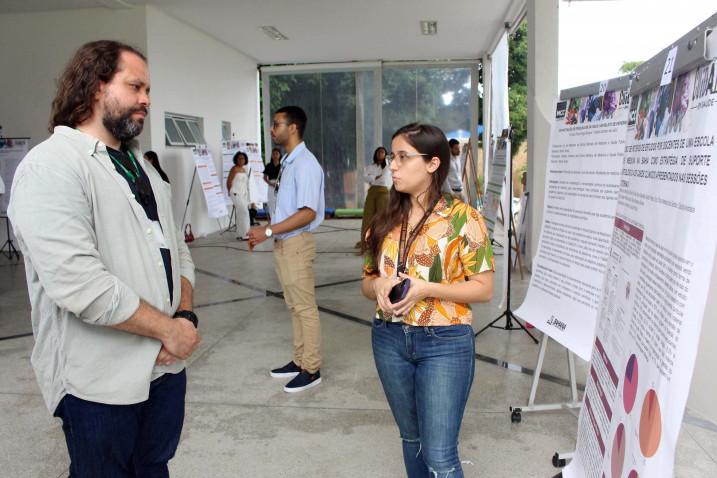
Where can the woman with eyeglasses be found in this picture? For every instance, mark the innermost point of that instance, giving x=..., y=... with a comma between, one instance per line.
x=428, y=258
x=378, y=175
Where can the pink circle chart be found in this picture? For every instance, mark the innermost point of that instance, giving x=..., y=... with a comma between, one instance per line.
x=650, y=424
x=617, y=458
x=629, y=384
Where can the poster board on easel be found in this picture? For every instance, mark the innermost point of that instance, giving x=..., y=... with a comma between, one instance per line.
x=12, y=150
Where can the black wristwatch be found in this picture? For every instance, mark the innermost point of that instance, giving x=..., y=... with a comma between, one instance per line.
x=189, y=315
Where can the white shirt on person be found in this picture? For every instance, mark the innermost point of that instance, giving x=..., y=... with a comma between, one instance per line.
x=90, y=254
x=378, y=176
x=453, y=181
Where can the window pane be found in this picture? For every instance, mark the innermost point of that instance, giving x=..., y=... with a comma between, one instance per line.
x=196, y=131
x=399, y=100
x=338, y=125
x=173, y=136
x=226, y=131
x=186, y=132
x=444, y=100
x=438, y=96
x=329, y=100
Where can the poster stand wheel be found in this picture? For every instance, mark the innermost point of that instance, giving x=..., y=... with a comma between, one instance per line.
x=516, y=416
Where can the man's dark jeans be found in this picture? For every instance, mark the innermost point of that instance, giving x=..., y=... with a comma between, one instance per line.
x=125, y=441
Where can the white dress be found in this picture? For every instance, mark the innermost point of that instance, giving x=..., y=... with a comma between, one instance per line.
x=239, y=193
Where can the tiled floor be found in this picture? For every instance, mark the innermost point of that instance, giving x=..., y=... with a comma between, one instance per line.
x=241, y=423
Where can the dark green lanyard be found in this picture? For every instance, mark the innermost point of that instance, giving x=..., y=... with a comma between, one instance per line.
x=132, y=175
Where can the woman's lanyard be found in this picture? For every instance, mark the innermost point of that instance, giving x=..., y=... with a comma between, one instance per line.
x=403, y=245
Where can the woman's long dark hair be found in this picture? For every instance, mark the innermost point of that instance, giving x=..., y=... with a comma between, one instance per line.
x=154, y=159
x=385, y=157
x=426, y=139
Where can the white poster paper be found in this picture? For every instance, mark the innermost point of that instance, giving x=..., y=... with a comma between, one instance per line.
x=216, y=205
x=494, y=186
x=11, y=153
x=653, y=303
x=581, y=185
x=257, y=186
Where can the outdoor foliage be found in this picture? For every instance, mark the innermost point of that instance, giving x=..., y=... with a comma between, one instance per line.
x=518, y=85
x=629, y=66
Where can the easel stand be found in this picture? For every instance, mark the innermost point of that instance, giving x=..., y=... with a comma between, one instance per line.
x=232, y=226
x=559, y=459
x=189, y=196
x=8, y=248
x=508, y=314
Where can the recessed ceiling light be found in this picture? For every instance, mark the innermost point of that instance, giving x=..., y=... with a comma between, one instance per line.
x=429, y=27
x=273, y=33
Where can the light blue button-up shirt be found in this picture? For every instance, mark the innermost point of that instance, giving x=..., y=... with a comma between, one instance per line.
x=301, y=185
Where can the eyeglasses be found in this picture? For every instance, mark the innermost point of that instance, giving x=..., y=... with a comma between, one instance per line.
x=274, y=124
x=401, y=156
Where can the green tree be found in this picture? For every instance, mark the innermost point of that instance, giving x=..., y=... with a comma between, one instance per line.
x=629, y=66
x=518, y=85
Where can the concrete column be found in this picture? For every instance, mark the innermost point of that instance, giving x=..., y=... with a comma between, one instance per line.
x=543, y=22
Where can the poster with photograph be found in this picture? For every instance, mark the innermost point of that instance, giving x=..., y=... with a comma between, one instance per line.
x=658, y=275
x=207, y=173
x=11, y=153
x=257, y=186
x=581, y=189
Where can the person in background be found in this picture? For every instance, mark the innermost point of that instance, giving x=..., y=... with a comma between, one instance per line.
x=422, y=338
x=299, y=211
x=271, y=173
x=378, y=175
x=152, y=157
x=454, y=181
x=109, y=276
x=238, y=187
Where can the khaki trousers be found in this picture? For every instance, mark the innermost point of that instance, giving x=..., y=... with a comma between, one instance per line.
x=294, y=260
x=376, y=201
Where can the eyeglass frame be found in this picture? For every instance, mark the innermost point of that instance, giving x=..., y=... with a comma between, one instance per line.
x=399, y=159
x=274, y=123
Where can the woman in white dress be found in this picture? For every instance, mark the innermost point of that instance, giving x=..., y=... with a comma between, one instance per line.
x=238, y=186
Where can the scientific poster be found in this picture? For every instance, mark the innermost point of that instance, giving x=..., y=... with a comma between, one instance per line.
x=11, y=153
x=216, y=206
x=581, y=190
x=658, y=274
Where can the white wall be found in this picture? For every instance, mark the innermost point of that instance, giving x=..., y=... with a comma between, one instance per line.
x=543, y=23
x=704, y=380
x=196, y=75
x=191, y=73
x=34, y=50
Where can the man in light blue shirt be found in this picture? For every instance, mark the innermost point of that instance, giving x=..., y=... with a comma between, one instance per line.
x=299, y=210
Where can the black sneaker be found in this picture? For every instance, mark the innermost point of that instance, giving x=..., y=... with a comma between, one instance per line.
x=290, y=370
x=303, y=381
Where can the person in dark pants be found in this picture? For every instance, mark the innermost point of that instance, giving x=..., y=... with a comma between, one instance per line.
x=429, y=257
x=110, y=278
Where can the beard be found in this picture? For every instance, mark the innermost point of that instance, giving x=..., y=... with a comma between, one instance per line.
x=120, y=123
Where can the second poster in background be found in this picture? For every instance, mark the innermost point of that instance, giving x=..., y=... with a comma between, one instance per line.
x=255, y=168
